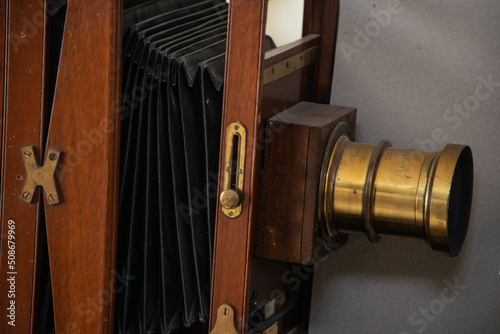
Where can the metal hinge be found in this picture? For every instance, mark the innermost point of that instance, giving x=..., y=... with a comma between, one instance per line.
x=225, y=321
x=42, y=176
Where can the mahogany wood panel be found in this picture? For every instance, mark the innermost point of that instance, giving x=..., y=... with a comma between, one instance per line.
x=291, y=89
x=3, y=17
x=267, y=276
x=295, y=148
x=247, y=101
x=322, y=17
x=24, y=94
x=85, y=127
x=232, y=253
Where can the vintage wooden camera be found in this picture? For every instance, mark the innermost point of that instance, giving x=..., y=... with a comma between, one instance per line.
x=105, y=149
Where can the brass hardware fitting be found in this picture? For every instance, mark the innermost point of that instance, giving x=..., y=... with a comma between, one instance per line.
x=383, y=191
x=225, y=321
x=234, y=170
x=289, y=65
x=42, y=176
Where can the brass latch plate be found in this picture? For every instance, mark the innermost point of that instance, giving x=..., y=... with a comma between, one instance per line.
x=231, y=197
x=225, y=321
x=42, y=176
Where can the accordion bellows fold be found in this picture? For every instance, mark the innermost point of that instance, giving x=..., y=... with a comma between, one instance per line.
x=173, y=70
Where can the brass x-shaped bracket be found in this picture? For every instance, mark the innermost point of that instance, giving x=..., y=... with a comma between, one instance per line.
x=42, y=176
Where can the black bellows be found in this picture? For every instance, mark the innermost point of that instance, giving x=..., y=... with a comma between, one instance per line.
x=173, y=71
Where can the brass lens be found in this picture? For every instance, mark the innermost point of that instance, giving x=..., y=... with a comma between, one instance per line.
x=383, y=191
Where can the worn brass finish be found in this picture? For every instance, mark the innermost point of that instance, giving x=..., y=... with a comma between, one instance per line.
x=289, y=65
x=42, y=176
x=225, y=321
x=229, y=199
x=234, y=169
x=383, y=191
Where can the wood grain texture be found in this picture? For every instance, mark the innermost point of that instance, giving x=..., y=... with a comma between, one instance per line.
x=297, y=139
x=232, y=253
x=24, y=101
x=322, y=17
x=85, y=127
x=234, y=277
x=279, y=95
x=298, y=86
x=3, y=30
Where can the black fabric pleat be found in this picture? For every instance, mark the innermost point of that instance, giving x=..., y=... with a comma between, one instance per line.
x=173, y=73
x=173, y=67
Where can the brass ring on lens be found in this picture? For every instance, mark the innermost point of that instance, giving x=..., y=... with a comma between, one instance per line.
x=384, y=191
x=325, y=202
x=369, y=190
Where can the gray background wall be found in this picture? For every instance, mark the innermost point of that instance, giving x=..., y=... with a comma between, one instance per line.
x=405, y=79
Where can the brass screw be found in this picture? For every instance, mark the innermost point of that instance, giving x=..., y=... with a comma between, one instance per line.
x=236, y=127
x=27, y=154
x=52, y=198
x=26, y=195
x=52, y=156
x=225, y=311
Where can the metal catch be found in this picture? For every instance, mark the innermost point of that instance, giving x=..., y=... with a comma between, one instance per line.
x=225, y=321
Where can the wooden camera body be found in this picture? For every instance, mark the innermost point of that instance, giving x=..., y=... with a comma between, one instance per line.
x=61, y=139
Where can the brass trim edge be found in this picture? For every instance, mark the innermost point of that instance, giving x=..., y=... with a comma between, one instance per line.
x=289, y=65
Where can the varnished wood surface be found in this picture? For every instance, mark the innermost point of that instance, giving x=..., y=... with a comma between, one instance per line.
x=85, y=127
x=2, y=80
x=322, y=17
x=232, y=253
x=295, y=148
x=288, y=91
x=24, y=92
x=248, y=102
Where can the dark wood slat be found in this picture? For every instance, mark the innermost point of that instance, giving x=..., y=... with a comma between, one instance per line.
x=322, y=17
x=24, y=94
x=288, y=91
x=85, y=127
x=232, y=253
x=3, y=28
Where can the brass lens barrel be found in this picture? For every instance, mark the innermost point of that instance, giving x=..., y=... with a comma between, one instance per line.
x=383, y=191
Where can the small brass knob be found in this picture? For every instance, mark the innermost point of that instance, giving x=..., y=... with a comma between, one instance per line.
x=229, y=199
